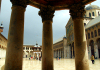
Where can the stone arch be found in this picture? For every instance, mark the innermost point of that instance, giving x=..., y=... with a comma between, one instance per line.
x=73, y=49
x=70, y=51
x=92, y=47
x=98, y=43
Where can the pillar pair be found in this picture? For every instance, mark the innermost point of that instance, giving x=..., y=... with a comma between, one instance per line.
x=14, y=52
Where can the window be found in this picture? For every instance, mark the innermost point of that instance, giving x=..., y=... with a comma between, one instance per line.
x=27, y=48
x=92, y=13
x=84, y=24
x=89, y=14
x=91, y=34
x=99, y=32
x=85, y=15
x=98, y=13
x=88, y=35
x=95, y=32
x=23, y=48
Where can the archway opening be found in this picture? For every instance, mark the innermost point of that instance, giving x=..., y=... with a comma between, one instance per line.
x=92, y=47
x=70, y=50
x=98, y=43
x=73, y=49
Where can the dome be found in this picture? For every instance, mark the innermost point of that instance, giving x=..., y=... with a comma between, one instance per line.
x=92, y=7
x=36, y=45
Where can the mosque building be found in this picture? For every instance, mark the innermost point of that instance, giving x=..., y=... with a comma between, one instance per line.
x=46, y=11
x=3, y=43
x=64, y=46
x=3, y=46
x=32, y=51
x=92, y=30
x=59, y=47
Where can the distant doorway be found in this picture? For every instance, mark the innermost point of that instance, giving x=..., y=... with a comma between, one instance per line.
x=98, y=43
x=26, y=56
x=73, y=49
x=92, y=47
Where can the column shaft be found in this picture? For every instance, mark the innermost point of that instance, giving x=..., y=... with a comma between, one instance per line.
x=47, y=14
x=47, y=46
x=14, y=52
x=81, y=54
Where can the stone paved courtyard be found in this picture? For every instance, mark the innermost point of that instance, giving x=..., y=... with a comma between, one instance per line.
x=63, y=64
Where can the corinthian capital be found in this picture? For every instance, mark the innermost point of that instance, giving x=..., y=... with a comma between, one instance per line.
x=46, y=13
x=77, y=11
x=22, y=3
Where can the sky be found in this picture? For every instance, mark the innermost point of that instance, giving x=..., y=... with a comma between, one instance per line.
x=33, y=22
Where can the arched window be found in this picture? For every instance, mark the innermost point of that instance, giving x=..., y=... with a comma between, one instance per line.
x=84, y=24
x=88, y=35
x=91, y=34
x=98, y=13
x=89, y=14
x=95, y=32
x=85, y=15
x=93, y=14
x=99, y=32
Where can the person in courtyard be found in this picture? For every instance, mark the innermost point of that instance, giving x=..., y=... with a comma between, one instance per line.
x=29, y=58
x=40, y=58
x=92, y=59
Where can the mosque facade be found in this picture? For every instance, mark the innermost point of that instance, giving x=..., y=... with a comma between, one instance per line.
x=92, y=29
x=33, y=51
x=64, y=47
x=3, y=46
x=59, y=47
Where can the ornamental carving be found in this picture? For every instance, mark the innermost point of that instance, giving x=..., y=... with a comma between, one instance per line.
x=22, y=3
x=46, y=13
x=77, y=11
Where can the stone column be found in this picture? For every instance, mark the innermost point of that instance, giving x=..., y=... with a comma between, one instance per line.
x=14, y=50
x=47, y=40
x=55, y=53
x=68, y=51
x=62, y=52
x=81, y=55
x=72, y=52
x=89, y=52
x=58, y=53
x=96, y=50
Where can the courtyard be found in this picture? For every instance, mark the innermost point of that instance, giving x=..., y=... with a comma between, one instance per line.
x=62, y=64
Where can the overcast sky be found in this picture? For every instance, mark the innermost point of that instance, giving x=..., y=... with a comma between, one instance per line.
x=33, y=22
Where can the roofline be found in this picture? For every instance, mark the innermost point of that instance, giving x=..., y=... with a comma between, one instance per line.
x=92, y=9
x=92, y=25
x=3, y=36
x=57, y=42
